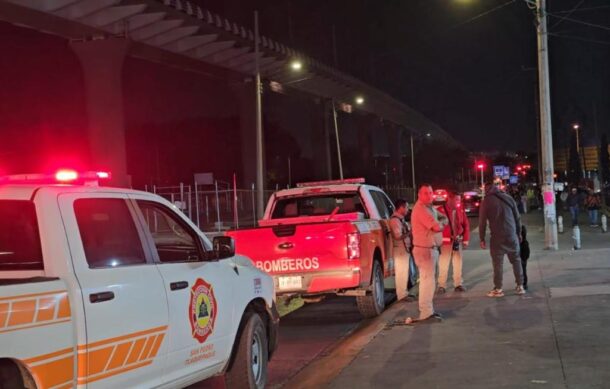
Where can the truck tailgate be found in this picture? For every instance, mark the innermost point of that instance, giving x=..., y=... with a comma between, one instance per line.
x=299, y=249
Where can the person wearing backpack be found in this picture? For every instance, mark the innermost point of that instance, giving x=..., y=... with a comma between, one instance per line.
x=456, y=236
x=401, y=243
x=500, y=211
x=593, y=204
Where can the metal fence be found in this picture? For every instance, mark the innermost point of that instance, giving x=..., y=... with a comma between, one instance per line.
x=215, y=209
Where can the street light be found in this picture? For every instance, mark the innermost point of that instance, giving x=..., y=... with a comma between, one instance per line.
x=576, y=128
x=296, y=65
x=481, y=166
x=359, y=100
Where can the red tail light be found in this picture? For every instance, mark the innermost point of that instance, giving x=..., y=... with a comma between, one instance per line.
x=353, y=245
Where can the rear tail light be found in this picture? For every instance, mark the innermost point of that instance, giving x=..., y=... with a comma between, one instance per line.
x=353, y=245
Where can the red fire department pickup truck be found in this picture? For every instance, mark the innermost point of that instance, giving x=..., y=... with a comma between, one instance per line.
x=325, y=237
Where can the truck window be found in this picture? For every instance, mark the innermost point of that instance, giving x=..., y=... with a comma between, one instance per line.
x=316, y=205
x=19, y=236
x=174, y=240
x=108, y=232
x=380, y=201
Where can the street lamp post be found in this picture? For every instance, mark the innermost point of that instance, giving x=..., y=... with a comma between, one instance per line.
x=260, y=184
x=482, y=167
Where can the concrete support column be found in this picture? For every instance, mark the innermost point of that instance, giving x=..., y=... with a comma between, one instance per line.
x=394, y=137
x=102, y=61
x=246, y=101
x=368, y=126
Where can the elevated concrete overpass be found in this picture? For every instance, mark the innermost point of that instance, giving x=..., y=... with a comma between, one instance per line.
x=180, y=34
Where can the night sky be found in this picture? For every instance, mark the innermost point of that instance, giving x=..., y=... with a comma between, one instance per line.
x=472, y=73
x=468, y=65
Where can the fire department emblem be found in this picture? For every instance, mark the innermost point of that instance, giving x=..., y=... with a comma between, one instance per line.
x=202, y=310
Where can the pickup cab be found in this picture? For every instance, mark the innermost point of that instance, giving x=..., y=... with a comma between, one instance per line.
x=325, y=237
x=114, y=288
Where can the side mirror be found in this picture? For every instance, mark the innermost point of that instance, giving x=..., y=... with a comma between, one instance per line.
x=224, y=247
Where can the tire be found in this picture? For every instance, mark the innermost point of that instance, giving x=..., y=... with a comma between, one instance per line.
x=10, y=376
x=373, y=304
x=249, y=366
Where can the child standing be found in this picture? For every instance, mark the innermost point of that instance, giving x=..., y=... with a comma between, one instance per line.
x=524, y=253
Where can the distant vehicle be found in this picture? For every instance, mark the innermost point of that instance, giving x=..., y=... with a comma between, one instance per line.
x=440, y=196
x=115, y=288
x=471, y=202
x=325, y=237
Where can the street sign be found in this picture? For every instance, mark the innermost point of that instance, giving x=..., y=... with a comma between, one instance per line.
x=502, y=172
x=498, y=170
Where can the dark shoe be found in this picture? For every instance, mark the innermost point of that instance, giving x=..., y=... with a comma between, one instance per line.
x=434, y=318
x=459, y=288
x=437, y=315
x=441, y=290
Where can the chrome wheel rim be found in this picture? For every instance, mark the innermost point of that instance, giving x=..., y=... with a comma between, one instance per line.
x=256, y=362
x=379, y=289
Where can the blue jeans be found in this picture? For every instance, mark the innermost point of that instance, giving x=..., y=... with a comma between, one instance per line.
x=593, y=216
x=574, y=213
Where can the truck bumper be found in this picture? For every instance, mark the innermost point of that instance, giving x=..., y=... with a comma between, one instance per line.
x=274, y=325
x=318, y=282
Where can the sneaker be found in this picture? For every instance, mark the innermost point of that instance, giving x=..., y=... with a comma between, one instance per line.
x=495, y=293
x=520, y=289
x=437, y=315
x=441, y=290
x=459, y=288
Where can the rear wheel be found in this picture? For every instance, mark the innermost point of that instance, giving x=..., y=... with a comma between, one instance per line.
x=249, y=365
x=10, y=375
x=373, y=304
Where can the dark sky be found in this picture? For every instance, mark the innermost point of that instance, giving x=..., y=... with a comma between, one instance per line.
x=470, y=72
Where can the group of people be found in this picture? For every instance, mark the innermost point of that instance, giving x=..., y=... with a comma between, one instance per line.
x=583, y=199
x=435, y=236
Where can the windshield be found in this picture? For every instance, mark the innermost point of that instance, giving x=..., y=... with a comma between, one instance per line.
x=316, y=205
x=19, y=237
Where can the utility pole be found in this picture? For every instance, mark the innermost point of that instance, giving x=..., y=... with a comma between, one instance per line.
x=260, y=185
x=337, y=139
x=546, y=135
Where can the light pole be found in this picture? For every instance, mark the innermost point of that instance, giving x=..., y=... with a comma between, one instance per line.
x=336, y=124
x=546, y=134
x=260, y=183
x=576, y=128
x=482, y=167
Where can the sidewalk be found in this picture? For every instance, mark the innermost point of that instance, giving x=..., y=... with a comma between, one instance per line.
x=554, y=337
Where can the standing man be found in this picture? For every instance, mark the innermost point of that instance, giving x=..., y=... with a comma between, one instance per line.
x=500, y=210
x=573, y=202
x=455, y=238
x=400, y=245
x=427, y=226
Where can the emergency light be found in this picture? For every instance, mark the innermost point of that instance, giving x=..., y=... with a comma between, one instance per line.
x=331, y=182
x=63, y=176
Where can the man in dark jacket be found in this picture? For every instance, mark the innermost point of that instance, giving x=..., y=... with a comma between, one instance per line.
x=500, y=210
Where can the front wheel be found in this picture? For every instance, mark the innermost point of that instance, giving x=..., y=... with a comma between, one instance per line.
x=373, y=304
x=249, y=366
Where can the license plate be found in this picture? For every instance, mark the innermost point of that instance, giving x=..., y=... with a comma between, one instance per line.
x=290, y=282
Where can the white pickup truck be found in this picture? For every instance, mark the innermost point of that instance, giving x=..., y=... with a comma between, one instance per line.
x=114, y=288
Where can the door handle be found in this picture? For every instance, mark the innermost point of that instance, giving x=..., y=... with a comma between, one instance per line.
x=101, y=297
x=178, y=285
